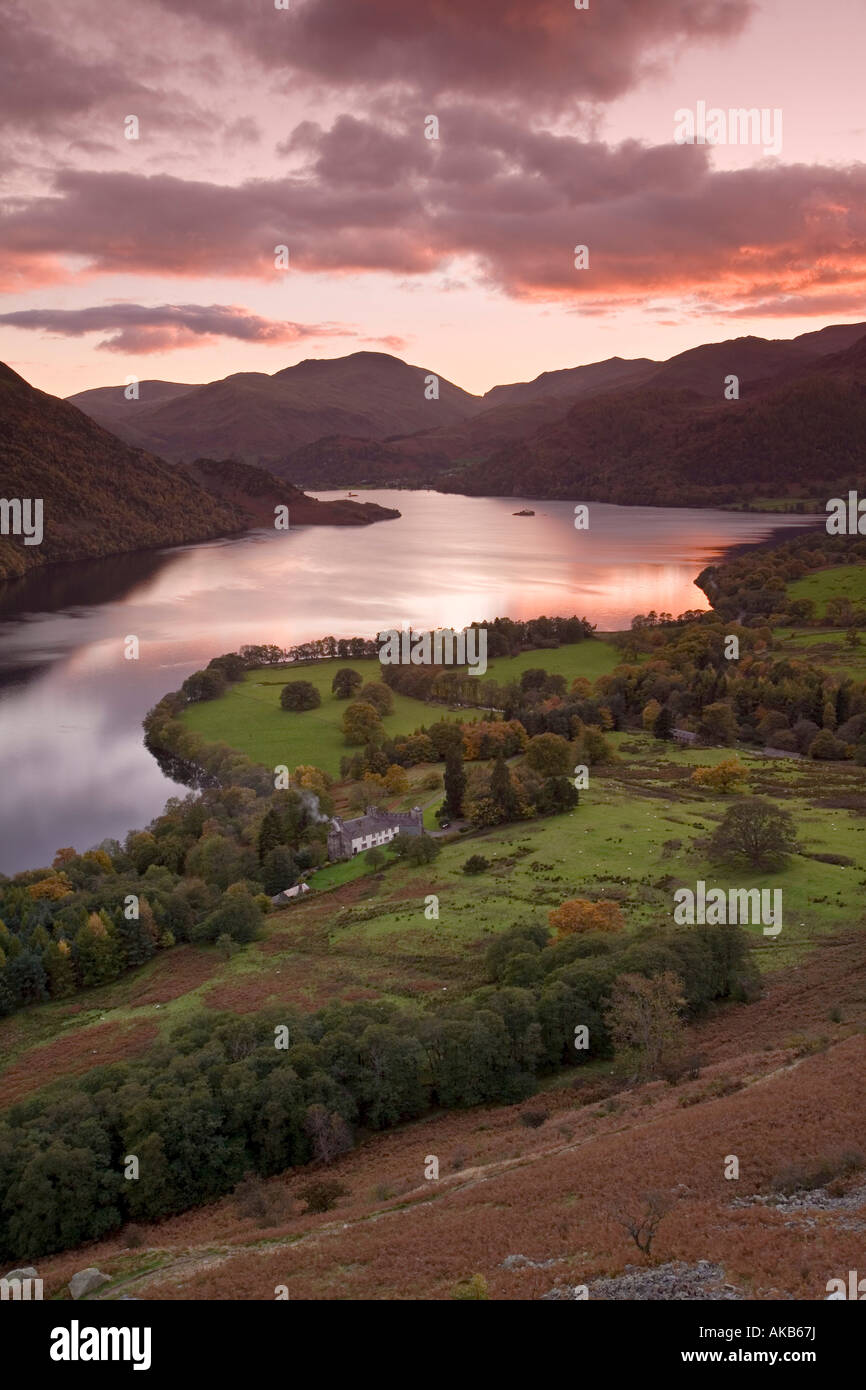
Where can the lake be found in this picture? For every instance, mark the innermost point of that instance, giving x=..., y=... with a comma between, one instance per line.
x=73, y=767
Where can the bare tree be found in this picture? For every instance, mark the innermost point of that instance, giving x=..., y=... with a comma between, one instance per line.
x=328, y=1133
x=642, y=1225
x=644, y=1013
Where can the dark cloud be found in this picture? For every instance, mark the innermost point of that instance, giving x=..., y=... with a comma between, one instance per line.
x=657, y=220
x=542, y=50
x=43, y=81
x=136, y=328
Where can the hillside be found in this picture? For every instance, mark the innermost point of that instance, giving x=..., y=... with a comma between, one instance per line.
x=103, y=497
x=569, y=383
x=780, y=1073
x=805, y=431
x=261, y=419
x=342, y=460
x=535, y=1209
x=253, y=493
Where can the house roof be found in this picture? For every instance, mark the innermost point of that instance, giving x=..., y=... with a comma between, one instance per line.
x=374, y=821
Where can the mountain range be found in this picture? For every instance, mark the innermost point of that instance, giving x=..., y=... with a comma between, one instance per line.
x=618, y=430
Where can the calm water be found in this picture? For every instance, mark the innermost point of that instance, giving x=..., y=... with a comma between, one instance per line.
x=73, y=768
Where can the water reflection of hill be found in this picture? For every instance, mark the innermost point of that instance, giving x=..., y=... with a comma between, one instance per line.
x=80, y=584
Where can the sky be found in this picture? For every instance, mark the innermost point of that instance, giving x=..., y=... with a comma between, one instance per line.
x=305, y=124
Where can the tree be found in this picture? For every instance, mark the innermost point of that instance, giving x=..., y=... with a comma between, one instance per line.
x=827, y=747
x=593, y=747
x=237, y=916
x=414, y=849
x=476, y=864
x=535, y=678
x=204, y=685
x=25, y=975
x=718, y=723
x=375, y=857
x=727, y=776
x=96, y=951
x=137, y=936
x=378, y=695
x=300, y=695
x=642, y=1225
x=651, y=712
x=503, y=792
x=455, y=782
x=756, y=831
x=322, y=1195
x=663, y=727
x=396, y=781
x=232, y=665
x=60, y=969
x=361, y=723
x=422, y=850
x=345, y=683
x=306, y=775
x=580, y=915
x=555, y=795
x=328, y=1133
x=644, y=1013
x=279, y=870
x=271, y=833
x=549, y=755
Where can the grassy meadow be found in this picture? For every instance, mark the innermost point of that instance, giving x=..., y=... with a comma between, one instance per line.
x=839, y=581
x=249, y=717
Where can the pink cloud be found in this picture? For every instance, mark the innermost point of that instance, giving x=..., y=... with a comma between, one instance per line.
x=136, y=328
x=657, y=219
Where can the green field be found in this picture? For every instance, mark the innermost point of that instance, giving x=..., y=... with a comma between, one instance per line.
x=591, y=659
x=826, y=648
x=841, y=581
x=248, y=717
x=632, y=838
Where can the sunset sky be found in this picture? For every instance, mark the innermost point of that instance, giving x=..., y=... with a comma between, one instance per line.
x=305, y=127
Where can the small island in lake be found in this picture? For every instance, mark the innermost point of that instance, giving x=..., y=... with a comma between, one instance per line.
x=525, y=512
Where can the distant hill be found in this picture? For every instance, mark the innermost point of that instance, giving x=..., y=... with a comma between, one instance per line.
x=254, y=493
x=571, y=382
x=262, y=419
x=102, y=497
x=674, y=446
x=109, y=406
x=364, y=419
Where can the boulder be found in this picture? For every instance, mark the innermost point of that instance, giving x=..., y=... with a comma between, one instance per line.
x=28, y=1273
x=85, y=1281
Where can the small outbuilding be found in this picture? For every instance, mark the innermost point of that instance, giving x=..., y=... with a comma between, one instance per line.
x=290, y=895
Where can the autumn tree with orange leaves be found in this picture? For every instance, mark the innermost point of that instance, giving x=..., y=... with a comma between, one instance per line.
x=581, y=915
